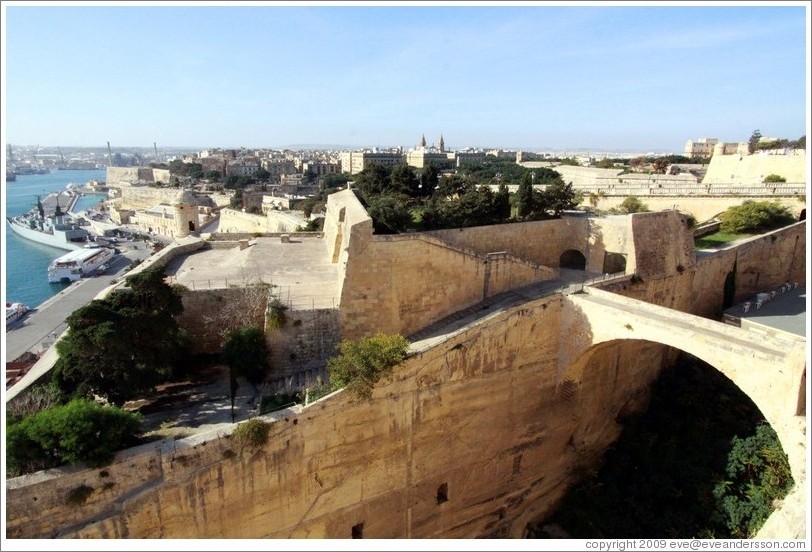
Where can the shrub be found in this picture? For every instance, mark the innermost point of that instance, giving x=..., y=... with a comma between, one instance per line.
x=771, y=178
x=276, y=316
x=360, y=364
x=81, y=430
x=246, y=353
x=252, y=434
x=755, y=216
x=79, y=495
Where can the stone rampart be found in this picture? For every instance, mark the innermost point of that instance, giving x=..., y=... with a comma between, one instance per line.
x=752, y=169
x=472, y=438
x=400, y=284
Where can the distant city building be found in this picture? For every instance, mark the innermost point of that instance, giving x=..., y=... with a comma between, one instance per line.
x=320, y=168
x=354, y=162
x=421, y=155
x=700, y=148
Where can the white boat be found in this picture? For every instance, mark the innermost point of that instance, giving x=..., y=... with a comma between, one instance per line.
x=76, y=264
x=14, y=311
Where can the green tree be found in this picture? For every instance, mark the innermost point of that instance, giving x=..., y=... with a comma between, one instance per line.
x=214, y=175
x=524, y=197
x=246, y=352
x=361, y=364
x=236, y=200
x=755, y=216
x=334, y=180
x=559, y=197
x=771, y=178
x=632, y=204
x=373, y=180
x=390, y=214
x=123, y=345
x=429, y=179
x=404, y=181
x=752, y=143
x=758, y=474
x=79, y=431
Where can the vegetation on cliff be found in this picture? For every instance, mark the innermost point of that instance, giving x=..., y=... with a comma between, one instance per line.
x=361, y=364
x=122, y=346
x=79, y=431
x=701, y=462
x=755, y=217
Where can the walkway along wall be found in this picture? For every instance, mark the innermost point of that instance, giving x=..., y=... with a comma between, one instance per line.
x=474, y=437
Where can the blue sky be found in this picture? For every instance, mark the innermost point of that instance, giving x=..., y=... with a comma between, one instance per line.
x=637, y=78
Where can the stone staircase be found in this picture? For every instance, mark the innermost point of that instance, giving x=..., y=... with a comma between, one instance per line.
x=452, y=323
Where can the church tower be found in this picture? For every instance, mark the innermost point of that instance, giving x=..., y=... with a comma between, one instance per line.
x=442, y=143
x=423, y=141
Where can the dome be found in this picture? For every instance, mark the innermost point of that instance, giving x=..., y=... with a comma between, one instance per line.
x=184, y=197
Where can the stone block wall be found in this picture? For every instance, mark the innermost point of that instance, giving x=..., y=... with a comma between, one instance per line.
x=540, y=242
x=305, y=343
x=474, y=437
x=751, y=169
x=400, y=284
x=200, y=315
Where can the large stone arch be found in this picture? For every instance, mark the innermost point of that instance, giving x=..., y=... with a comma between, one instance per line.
x=767, y=368
x=601, y=414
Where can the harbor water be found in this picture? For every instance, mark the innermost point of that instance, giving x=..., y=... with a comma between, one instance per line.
x=26, y=262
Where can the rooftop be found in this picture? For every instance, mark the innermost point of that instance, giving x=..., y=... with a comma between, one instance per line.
x=301, y=269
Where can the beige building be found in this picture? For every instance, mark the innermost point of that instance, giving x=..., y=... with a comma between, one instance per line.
x=176, y=220
x=354, y=162
x=700, y=148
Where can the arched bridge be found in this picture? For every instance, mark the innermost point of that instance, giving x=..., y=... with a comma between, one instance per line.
x=769, y=368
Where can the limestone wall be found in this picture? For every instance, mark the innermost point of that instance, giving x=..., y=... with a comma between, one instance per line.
x=472, y=438
x=202, y=312
x=758, y=264
x=752, y=169
x=305, y=342
x=144, y=197
x=702, y=207
x=124, y=176
x=540, y=242
x=232, y=221
x=400, y=284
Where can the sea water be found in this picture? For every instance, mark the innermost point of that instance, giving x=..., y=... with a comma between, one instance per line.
x=26, y=262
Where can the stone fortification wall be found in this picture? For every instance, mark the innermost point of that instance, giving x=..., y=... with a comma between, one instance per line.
x=474, y=437
x=124, y=176
x=144, y=197
x=300, y=349
x=201, y=309
x=345, y=218
x=540, y=242
x=400, y=284
x=752, y=169
x=701, y=206
x=758, y=264
x=233, y=221
x=663, y=243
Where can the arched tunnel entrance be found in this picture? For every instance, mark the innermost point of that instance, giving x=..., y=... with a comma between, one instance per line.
x=573, y=259
x=698, y=461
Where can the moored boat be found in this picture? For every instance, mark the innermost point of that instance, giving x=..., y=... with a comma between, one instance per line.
x=15, y=311
x=76, y=264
